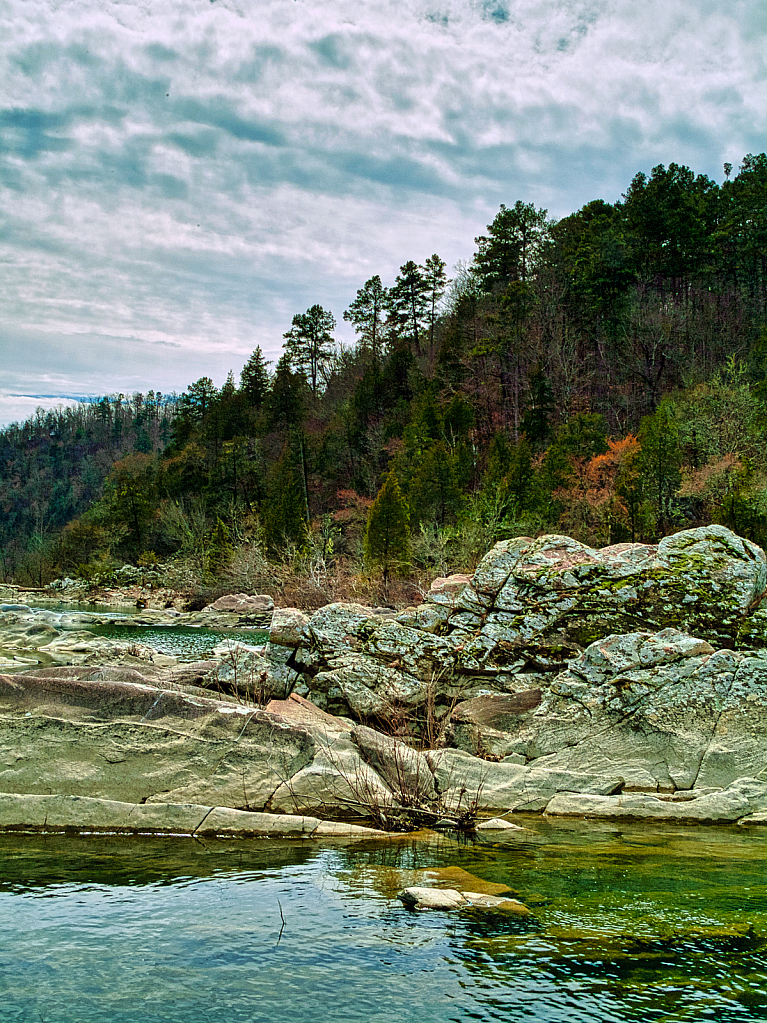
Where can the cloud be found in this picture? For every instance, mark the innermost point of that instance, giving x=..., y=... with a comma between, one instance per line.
x=184, y=174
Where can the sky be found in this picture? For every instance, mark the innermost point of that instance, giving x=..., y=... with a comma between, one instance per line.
x=180, y=178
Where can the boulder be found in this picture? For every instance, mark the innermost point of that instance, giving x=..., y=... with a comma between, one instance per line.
x=665, y=711
x=467, y=783
x=242, y=604
x=498, y=824
x=138, y=743
x=531, y=608
x=405, y=770
x=418, y=897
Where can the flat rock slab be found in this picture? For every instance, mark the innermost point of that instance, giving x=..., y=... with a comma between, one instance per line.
x=242, y=603
x=745, y=797
x=78, y=813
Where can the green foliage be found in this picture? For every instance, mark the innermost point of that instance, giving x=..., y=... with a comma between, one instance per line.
x=434, y=492
x=366, y=314
x=254, y=380
x=309, y=344
x=220, y=549
x=387, y=536
x=661, y=460
x=492, y=401
x=512, y=247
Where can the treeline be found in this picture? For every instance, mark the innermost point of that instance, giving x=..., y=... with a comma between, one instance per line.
x=602, y=376
x=53, y=468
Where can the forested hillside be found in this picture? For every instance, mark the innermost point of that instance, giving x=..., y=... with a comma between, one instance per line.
x=603, y=376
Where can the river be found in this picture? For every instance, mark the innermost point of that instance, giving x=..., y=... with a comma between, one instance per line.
x=631, y=923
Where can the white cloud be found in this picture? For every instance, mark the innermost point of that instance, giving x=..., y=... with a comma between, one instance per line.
x=196, y=173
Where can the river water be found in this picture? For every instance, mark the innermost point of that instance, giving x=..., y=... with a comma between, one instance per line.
x=187, y=643
x=631, y=923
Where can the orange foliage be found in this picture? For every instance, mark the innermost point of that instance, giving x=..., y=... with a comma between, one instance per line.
x=593, y=504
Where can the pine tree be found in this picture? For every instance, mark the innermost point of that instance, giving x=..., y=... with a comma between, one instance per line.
x=366, y=314
x=254, y=379
x=436, y=282
x=409, y=302
x=309, y=344
x=220, y=550
x=387, y=537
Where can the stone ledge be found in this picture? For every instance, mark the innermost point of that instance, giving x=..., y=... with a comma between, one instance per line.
x=83, y=813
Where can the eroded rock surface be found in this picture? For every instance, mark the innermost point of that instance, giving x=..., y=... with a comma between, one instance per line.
x=531, y=607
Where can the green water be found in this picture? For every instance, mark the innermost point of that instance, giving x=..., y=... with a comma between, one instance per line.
x=185, y=642
x=631, y=924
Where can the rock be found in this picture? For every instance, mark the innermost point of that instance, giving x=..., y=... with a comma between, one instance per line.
x=405, y=770
x=68, y=813
x=511, y=906
x=137, y=743
x=289, y=627
x=487, y=725
x=754, y=818
x=297, y=709
x=451, y=584
x=242, y=604
x=743, y=797
x=665, y=711
x=498, y=824
x=465, y=782
x=336, y=782
x=416, y=897
x=431, y=898
x=531, y=608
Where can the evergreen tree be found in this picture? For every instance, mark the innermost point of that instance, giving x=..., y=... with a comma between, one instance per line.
x=511, y=248
x=436, y=282
x=387, y=537
x=409, y=302
x=366, y=314
x=309, y=344
x=286, y=404
x=220, y=549
x=254, y=379
x=434, y=491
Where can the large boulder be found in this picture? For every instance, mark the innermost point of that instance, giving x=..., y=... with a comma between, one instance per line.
x=664, y=710
x=134, y=742
x=531, y=607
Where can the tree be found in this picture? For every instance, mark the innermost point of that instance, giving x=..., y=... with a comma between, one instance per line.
x=434, y=491
x=661, y=459
x=193, y=409
x=220, y=549
x=309, y=344
x=387, y=537
x=511, y=248
x=131, y=496
x=366, y=314
x=436, y=282
x=286, y=403
x=409, y=301
x=254, y=379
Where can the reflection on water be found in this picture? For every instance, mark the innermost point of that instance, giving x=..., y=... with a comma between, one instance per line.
x=631, y=924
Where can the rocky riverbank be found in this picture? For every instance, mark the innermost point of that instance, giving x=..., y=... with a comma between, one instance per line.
x=629, y=682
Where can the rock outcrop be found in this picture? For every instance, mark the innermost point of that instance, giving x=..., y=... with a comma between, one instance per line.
x=531, y=607
x=625, y=682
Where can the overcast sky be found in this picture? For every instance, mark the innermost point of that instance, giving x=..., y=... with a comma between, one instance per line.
x=179, y=177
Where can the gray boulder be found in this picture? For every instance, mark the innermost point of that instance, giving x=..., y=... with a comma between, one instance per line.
x=531, y=607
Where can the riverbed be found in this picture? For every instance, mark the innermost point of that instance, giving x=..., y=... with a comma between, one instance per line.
x=633, y=923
